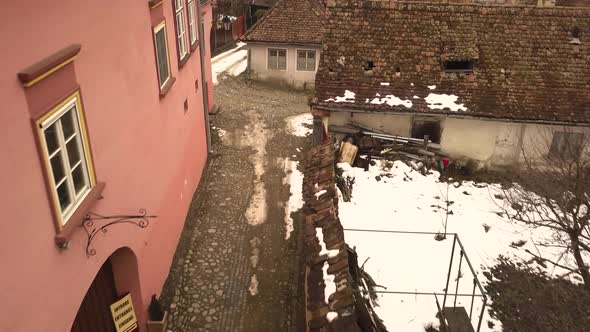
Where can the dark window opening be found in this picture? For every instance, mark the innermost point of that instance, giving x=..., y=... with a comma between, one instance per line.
x=369, y=65
x=430, y=128
x=566, y=145
x=459, y=66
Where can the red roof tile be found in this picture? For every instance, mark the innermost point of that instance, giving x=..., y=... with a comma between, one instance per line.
x=526, y=65
x=289, y=21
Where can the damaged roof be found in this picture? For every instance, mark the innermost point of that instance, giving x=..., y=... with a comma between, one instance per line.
x=505, y=62
x=289, y=21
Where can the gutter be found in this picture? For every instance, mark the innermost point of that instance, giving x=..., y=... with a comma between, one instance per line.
x=279, y=43
x=475, y=117
x=204, y=77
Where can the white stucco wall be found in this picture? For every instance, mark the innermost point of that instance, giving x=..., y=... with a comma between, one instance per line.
x=257, y=61
x=492, y=143
x=393, y=124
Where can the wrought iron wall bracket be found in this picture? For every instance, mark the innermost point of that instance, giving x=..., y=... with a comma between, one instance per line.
x=140, y=220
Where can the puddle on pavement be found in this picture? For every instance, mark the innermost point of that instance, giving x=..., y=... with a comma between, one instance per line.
x=256, y=136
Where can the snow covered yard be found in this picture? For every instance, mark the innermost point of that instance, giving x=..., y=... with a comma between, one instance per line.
x=392, y=196
x=233, y=62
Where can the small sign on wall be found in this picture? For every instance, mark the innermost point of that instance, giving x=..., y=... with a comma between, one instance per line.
x=124, y=314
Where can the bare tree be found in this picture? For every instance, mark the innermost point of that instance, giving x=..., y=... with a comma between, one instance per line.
x=554, y=193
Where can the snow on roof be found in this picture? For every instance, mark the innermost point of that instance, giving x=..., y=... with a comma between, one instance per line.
x=442, y=101
x=348, y=97
x=391, y=100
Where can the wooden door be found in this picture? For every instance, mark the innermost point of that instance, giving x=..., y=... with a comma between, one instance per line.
x=94, y=314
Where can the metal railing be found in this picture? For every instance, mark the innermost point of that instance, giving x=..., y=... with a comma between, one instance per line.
x=462, y=256
x=476, y=283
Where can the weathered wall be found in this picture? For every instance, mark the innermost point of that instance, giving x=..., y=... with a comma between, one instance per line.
x=147, y=149
x=493, y=143
x=299, y=79
x=394, y=124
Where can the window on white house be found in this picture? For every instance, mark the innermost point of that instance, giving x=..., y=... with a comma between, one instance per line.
x=192, y=21
x=180, y=29
x=566, y=145
x=162, y=53
x=306, y=60
x=277, y=58
x=65, y=153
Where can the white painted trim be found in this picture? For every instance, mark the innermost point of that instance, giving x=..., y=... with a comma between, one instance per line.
x=315, y=69
x=286, y=58
x=78, y=136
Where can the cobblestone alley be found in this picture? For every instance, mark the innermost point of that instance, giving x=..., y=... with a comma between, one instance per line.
x=237, y=265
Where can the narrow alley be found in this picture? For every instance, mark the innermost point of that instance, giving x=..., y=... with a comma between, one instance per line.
x=237, y=265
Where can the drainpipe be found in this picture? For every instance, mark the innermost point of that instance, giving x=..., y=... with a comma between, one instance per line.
x=203, y=76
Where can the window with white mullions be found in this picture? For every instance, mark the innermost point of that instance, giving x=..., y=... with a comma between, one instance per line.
x=277, y=58
x=67, y=162
x=180, y=28
x=192, y=23
x=306, y=60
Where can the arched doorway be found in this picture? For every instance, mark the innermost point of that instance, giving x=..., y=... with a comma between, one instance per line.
x=118, y=276
x=94, y=314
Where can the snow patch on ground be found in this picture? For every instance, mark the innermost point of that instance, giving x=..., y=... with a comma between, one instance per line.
x=441, y=101
x=300, y=125
x=256, y=138
x=253, y=289
x=348, y=97
x=405, y=200
x=233, y=62
x=432, y=87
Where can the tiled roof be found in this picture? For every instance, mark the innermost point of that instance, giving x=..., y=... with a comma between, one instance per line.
x=528, y=65
x=321, y=212
x=290, y=21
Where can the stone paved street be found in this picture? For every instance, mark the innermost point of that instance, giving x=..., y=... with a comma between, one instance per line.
x=234, y=269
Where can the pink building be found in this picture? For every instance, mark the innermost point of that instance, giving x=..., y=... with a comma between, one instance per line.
x=102, y=115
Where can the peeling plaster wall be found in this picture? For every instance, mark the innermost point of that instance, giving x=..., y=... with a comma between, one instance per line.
x=493, y=143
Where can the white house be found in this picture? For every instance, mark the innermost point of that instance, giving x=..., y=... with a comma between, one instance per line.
x=284, y=45
x=477, y=83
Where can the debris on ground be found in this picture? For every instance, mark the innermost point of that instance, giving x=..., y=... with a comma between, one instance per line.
x=361, y=145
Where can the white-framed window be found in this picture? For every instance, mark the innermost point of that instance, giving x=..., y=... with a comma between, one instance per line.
x=66, y=152
x=162, y=60
x=566, y=145
x=306, y=60
x=192, y=21
x=277, y=58
x=180, y=29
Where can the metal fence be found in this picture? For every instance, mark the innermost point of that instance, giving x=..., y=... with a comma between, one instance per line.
x=474, y=293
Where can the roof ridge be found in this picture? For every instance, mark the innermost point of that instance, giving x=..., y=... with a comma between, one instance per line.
x=289, y=21
x=263, y=18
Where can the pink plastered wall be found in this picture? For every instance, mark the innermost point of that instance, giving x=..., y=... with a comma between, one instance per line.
x=148, y=150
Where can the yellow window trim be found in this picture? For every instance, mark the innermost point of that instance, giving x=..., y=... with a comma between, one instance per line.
x=156, y=29
x=49, y=72
x=90, y=164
